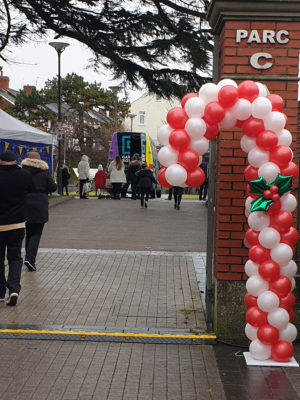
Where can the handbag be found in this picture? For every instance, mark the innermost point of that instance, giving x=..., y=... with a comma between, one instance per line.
x=87, y=187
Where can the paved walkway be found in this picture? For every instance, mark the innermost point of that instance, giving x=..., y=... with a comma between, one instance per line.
x=111, y=265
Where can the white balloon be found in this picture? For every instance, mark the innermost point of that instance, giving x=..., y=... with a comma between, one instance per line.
x=282, y=254
x=251, y=269
x=247, y=143
x=196, y=128
x=278, y=318
x=201, y=146
x=226, y=82
x=261, y=107
x=258, y=220
x=274, y=121
x=255, y=285
x=251, y=332
x=167, y=156
x=194, y=107
x=268, y=301
x=259, y=351
x=284, y=137
x=163, y=134
x=263, y=90
x=257, y=157
x=289, y=333
x=269, y=238
x=293, y=283
x=269, y=171
x=288, y=202
x=228, y=122
x=289, y=270
x=248, y=206
x=241, y=110
x=209, y=92
x=176, y=175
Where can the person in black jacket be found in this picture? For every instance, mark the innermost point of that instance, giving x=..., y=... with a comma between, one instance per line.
x=15, y=183
x=144, y=183
x=65, y=176
x=37, y=204
x=134, y=166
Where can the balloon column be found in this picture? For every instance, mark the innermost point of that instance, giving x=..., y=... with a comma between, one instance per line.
x=271, y=237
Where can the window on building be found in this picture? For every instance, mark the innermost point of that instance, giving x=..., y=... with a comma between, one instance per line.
x=142, y=117
x=157, y=97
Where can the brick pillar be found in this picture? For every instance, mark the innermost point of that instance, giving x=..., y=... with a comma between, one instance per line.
x=244, y=29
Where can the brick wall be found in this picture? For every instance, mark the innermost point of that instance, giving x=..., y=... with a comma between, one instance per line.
x=231, y=224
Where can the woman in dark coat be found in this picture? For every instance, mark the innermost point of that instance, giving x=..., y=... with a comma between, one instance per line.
x=65, y=176
x=37, y=205
x=144, y=183
x=134, y=166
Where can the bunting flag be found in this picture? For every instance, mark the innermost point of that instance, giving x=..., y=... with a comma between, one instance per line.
x=20, y=150
x=6, y=145
x=47, y=149
x=149, y=157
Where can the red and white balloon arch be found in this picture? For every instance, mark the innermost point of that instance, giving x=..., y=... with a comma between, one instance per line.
x=271, y=237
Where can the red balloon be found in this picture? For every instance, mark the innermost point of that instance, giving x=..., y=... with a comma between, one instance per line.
x=177, y=118
x=290, y=237
x=179, y=139
x=186, y=97
x=277, y=102
x=251, y=173
x=259, y=254
x=274, y=208
x=162, y=178
x=291, y=170
x=250, y=301
x=189, y=159
x=291, y=314
x=269, y=270
x=281, y=286
x=282, y=221
x=256, y=317
x=248, y=90
x=282, y=351
x=211, y=131
x=268, y=334
x=252, y=126
x=195, y=178
x=239, y=123
x=228, y=96
x=287, y=302
x=252, y=237
x=214, y=113
x=267, y=140
x=253, y=195
x=281, y=155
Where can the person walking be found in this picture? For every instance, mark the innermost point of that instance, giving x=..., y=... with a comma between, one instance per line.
x=65, y=176
x=15, y=183
x=178, y=191
x=204, y=187
x=83, y=170
x=37, y=205
x=117, y=176
x=99, y=180
x=144, y=183
x=134, y=166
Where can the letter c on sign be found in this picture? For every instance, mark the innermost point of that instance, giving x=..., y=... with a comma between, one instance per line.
x=255, y=57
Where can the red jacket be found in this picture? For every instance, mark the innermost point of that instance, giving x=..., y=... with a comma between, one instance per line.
x=100, y=179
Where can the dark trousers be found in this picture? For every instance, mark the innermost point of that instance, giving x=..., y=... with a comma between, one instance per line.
x=81, y=183
x=65, y=187
x=11, y=241
x=116, y=189
x=170, y=194
x=177, y=195
x=144, y=195
x=203, y=191
x=32, y=240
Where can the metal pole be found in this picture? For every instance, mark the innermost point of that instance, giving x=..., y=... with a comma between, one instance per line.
x=131, y=124
x=59, y=172
x=116, y=112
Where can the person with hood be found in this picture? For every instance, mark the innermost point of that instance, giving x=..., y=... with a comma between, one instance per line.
x=83, y=170
x=15, y=183
x=37, y=205
x=65, y=176
x=144, y=183
x=99, y=180
x=134, y=166
x=117, y=176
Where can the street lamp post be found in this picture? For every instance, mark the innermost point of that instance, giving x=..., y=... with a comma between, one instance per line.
x=131, y=116
x=59, y=47
x=115, y=90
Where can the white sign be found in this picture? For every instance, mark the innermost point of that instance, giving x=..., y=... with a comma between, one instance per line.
x=264, y=36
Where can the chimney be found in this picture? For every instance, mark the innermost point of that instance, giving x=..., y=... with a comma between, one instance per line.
x=4, y=81
x=28, y=89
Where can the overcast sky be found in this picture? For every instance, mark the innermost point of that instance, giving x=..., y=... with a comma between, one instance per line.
x=35, y=63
